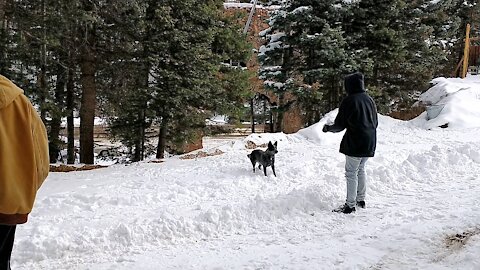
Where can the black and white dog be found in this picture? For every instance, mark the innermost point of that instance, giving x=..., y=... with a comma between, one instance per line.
x=264, y=158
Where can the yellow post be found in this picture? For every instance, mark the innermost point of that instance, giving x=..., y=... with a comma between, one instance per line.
x=466, y=52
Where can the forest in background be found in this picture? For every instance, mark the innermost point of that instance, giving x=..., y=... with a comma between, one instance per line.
x=400, y=46
x=144, y=64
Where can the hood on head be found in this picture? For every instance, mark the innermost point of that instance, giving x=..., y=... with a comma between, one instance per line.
x=354, y=83
x=8, y=92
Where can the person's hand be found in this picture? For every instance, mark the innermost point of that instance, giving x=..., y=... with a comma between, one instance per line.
x=325, y=128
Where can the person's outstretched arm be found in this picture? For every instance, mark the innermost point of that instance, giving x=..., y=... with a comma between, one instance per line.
x=340, y=122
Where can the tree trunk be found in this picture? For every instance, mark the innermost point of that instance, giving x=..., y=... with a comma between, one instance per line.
x=3, y=38
x=252, y=111
x=140, y=142
x=70, y=122
x=3, y=5
x=334, y=104
x=57, y=113
x=280, y=113
x=265, y=116
x=272, y=128
x=309, y=117
x=42, y=81
x=162, y=138
x=150, y=17
x=137, y=153
x=88, y=103
x=43, y=69
x=142, y=133
x=375, y=75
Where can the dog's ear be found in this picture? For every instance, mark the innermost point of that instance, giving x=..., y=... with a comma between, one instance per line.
x=270, y=144
x=276, y=143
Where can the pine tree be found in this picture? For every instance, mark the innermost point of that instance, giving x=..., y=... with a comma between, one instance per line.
x=306, y=55
x=4, y=38
x=323, y=55
x=398, y=43
x=37, y=63
x=453, y=16
x=422, y=57
x=444, y=34
x=374, y=30
x=230, y=44
x=275, y=59
x=125, y=73
x=171, y=72
x=186, y=74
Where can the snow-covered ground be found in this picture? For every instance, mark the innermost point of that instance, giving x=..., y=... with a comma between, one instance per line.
x=215, y=213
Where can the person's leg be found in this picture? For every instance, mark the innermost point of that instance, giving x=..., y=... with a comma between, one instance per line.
x=7, y=236
x=362, y=180
x=351, y=175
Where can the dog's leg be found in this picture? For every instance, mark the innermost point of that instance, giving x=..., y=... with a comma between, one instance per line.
x=265, y=170
x=253, y=162
x=273, y=169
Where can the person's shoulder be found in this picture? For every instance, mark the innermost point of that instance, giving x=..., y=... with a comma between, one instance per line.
x=365, y=95
x=357, y=96
x=24, y=103
x=24, y=99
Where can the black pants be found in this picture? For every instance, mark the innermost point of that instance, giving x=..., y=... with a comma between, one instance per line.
x=7, y=235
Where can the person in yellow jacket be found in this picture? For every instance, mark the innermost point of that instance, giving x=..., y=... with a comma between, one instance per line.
x=24, y=162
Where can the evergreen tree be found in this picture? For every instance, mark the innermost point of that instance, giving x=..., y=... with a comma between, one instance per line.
x=422, y=57
x=230, y=44
x=174, y=76
x=38, y=47
x=323, y=55
x=187, y=84
x=453, y=16
x=186, y=68
x=444, y=34
x=276, y=63
x=374, y=29
x=306, y=55
x=125, y=73
x=5, y=38
x=398, y=42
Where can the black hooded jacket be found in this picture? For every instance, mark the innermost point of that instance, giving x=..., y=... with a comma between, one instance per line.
x=357, y=114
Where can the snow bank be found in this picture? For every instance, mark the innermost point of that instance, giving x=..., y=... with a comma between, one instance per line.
x=314, y=133
x=452, y=103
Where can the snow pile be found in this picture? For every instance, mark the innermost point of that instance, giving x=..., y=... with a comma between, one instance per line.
x=217, y=120
x=314, y=132
x=452, y=103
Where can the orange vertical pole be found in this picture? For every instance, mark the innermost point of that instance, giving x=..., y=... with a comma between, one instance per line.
x=466, y=52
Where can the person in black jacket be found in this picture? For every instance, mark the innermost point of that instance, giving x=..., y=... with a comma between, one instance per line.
x=358, y=115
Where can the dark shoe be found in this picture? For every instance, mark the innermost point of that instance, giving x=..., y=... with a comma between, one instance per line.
x=344, y=209
x=361, y=204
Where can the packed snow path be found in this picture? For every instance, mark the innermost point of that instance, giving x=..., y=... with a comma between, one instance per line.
x=215, y=213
